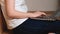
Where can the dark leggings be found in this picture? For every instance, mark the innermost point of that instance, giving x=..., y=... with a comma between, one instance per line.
x=32, y=26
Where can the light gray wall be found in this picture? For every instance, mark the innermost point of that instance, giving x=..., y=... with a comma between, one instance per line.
x=42, y=5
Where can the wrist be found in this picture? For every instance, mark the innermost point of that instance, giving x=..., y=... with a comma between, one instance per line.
x=30, y=15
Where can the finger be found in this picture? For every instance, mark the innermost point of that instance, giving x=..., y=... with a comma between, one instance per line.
x=44, y=14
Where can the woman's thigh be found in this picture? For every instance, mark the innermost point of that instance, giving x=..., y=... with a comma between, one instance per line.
x=32, y=26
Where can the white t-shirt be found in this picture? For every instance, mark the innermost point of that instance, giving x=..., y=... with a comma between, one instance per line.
x=19, y=6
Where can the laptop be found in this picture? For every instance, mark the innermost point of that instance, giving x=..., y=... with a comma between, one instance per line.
x=54, y=16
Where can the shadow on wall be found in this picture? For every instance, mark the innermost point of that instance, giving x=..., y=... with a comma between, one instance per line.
x=43, y=5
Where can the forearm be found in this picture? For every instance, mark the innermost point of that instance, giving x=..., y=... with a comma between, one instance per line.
x=17, y=14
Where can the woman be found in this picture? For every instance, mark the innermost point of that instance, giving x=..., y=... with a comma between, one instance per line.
x=17, y=17
x=19, y=20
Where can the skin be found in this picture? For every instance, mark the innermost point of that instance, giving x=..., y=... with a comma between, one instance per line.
x=12, y=13
x=51, y=33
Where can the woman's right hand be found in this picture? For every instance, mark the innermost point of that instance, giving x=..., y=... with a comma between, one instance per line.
x=37, y=14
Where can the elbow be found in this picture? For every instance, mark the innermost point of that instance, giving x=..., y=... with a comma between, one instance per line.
x=10, y=16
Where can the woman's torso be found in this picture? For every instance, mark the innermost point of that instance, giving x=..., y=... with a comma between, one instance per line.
x=19, y=6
